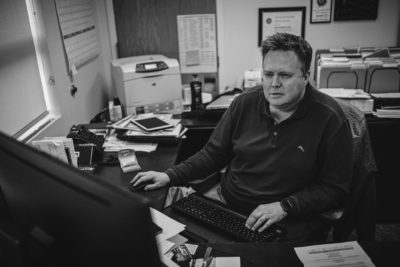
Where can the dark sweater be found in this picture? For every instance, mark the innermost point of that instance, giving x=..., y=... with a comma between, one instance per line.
x=307, y=157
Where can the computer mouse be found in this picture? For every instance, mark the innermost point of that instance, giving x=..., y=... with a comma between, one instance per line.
x=139, y=187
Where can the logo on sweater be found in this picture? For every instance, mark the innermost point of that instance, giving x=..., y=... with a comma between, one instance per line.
x=300, y=148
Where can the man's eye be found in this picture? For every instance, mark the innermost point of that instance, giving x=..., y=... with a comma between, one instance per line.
x=285, y=75
x=268, y=74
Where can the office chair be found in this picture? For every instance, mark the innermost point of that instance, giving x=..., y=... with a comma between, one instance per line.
x=359, y=212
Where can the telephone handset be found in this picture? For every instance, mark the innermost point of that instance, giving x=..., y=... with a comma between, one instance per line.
x=81, y=135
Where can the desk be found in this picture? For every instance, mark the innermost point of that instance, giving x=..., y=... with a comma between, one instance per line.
x=282, y=254
x=267, y=254
x=158, y=160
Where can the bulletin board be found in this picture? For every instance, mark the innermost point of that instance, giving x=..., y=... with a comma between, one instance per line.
x=146, y=27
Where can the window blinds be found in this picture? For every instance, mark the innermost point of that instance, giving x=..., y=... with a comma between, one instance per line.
x=21, y=94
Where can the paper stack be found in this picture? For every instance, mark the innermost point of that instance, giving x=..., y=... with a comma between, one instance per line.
x=135, y=134
x=388, y=112
x=59, y=147
x=169, y=237
x=113, y=144
x=356, y=97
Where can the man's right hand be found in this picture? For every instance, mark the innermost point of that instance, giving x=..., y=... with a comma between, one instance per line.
x=156, y=179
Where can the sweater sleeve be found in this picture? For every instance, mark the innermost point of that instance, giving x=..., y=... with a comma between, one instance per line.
x=214, y=156
x=331, y=188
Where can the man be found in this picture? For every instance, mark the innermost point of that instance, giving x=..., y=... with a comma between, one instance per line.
x=288, y=148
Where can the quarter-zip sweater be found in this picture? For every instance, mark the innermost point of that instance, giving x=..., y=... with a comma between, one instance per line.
x=307, y=157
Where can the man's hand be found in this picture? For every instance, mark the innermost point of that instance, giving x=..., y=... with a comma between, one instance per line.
x=156, y=179
x=264, y=216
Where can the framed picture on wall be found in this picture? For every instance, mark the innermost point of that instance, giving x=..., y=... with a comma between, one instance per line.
x=321, y=11
x=281, y=19
x=356, y=10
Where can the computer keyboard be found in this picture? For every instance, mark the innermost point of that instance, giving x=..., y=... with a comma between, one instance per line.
x=220, y=217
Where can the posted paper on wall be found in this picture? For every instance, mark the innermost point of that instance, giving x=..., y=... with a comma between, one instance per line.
x=76, y=19
x=197, y=43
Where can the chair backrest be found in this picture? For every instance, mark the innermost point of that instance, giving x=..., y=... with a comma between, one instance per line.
x=361, y=141
x=359, y=211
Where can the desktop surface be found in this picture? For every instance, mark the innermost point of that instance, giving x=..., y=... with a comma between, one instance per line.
x=382, y=254
x=252, y=254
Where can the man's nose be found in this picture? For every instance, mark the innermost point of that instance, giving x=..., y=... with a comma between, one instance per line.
x=276, y=81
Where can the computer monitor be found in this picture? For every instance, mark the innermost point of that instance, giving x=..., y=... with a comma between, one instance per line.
x=65, y=217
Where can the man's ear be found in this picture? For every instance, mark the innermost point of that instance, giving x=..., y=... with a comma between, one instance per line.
x=306, y=77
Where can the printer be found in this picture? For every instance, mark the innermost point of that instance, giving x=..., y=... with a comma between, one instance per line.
x=149, y=83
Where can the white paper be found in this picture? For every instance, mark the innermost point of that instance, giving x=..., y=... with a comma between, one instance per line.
x=68, y=146
x=52, y=147
x=170, y=228
x=76, y=19
x=197, y=43
x=227, y=261
x=192, y=248
x=113, y=144
x=221, y=262
x=336, y=254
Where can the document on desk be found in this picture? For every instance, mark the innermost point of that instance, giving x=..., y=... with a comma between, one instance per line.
x=58, y=147
x=170, y=228
x=336, y=254
x=112, y=143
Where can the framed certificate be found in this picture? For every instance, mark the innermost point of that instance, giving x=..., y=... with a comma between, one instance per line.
x=282, y=19
x=321, y=11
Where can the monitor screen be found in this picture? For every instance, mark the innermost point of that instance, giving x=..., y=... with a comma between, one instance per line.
x=70, y=218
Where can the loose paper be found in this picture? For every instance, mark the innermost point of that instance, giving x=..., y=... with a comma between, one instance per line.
x=76, y=19
x=336, y=254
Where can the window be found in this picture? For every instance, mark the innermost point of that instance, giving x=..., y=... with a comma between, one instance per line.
x=22, y=82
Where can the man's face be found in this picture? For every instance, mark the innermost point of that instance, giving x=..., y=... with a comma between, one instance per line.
x=283, y=79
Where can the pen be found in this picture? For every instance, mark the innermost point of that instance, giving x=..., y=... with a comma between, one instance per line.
x=193, y=262
x=207, y=257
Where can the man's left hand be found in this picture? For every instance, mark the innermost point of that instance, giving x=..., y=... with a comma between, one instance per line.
x=264, y=216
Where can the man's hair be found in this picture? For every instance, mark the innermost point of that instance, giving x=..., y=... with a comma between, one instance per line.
x=289, y=42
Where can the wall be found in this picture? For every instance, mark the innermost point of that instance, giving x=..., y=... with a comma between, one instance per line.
x=238, y=32
x=93, y=79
